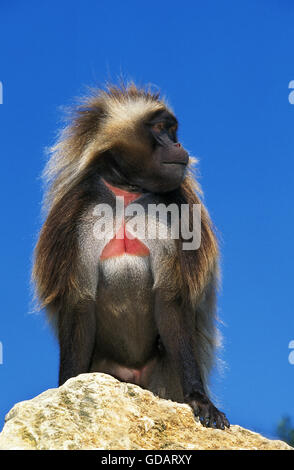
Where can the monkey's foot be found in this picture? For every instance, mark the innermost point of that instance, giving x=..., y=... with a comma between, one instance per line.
x=208, y=414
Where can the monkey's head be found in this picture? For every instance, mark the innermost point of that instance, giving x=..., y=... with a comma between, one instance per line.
x=128, y=134
x=146, y=152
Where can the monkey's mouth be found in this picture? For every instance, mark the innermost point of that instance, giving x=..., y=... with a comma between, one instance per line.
x=175, y=163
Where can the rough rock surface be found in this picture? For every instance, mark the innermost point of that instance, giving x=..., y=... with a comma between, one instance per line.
x=96, y=411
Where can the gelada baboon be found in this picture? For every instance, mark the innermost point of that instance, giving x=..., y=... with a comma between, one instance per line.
x=140, y=309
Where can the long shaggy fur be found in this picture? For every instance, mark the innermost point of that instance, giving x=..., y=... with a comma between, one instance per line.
x=104, y=121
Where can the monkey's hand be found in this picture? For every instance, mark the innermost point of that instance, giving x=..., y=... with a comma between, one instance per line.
x=204, y=409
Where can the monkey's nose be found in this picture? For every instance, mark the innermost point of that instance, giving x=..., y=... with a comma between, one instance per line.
x=177, y=144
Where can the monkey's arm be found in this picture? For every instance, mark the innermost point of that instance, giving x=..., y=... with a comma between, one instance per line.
x=76, y=331
x=176, y=329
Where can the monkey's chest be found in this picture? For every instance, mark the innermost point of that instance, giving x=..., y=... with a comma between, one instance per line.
x=124, y=243
x=121, y=260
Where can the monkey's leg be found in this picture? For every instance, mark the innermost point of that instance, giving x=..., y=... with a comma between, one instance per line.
x=176, y=328
x=77, y=333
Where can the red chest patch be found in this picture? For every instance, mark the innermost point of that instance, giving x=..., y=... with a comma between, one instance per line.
x=123, y=242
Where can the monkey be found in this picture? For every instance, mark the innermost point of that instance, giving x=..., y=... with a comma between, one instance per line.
x=140, y=309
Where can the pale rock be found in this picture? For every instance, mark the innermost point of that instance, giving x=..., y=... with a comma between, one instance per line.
x=96, y=411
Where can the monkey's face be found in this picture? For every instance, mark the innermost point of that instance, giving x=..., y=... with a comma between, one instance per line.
x=168, y=160
x=153, y=159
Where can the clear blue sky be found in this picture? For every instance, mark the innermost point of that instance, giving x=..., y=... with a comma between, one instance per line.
x=225, y=68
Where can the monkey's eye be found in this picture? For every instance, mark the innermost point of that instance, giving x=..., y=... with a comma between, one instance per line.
x=173, y=132
x=158, y=127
